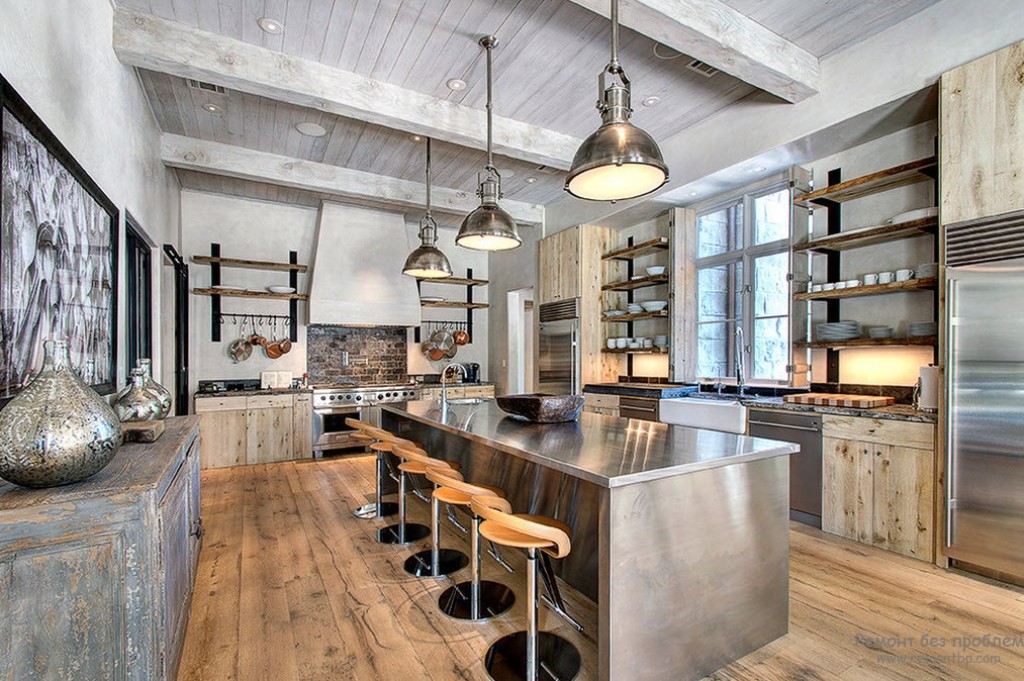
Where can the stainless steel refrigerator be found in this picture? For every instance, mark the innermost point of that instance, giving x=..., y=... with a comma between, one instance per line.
x=558, y=359
x=985, y=416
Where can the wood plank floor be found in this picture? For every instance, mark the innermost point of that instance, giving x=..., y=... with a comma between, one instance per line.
x=291, y=586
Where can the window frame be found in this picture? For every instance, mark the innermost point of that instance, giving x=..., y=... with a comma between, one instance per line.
x=139, y=294
x=745, y=256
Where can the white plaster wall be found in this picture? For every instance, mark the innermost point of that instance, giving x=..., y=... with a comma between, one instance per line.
x=461, y=259
x=509, y=271
x=251, y=230
x=57, y=54
x=879, y=366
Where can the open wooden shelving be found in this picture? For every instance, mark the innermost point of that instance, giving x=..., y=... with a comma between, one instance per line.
x=869, y=342
x=249, y=264
x=633, y=284
x=454, y=304
x=869, y=236
x=921, y=170
x=249, y=294
x=457, y=281
x=635, y=351
x=660, y=314
x=923, y=284
x=635, y=251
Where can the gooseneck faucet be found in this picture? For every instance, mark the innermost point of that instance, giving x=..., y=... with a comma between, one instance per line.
x=455, y=366
x=739, y=361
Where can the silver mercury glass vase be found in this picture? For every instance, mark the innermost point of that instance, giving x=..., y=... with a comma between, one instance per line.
x=138, y=403
x=57, y=430
x=163, y=393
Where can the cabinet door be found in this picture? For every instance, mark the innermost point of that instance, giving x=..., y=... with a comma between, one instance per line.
x=175, y=569
x=302, y=427
x=195, y=516
x=269, y=435
x=847, y=488
x=558, y=267
x=981, y=137
x=904, y=494
x=222, y=437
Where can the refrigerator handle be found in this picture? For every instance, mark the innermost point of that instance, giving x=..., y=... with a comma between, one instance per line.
x=574, y=371
x=949, y=380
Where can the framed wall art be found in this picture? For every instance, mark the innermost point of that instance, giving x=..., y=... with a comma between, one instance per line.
x=58, y=255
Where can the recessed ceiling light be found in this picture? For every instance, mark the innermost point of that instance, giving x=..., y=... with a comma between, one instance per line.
x=271, y=26
x=693, y=193
x=212, y=108
x=311, y=129
x=531, y=180
x=653, y=100
x=760, y=169
x=415, y=138
x=456, y=84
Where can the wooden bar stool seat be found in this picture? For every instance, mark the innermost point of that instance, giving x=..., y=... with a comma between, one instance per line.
x=476, y=599
x=435, y=561
x=373, y=436
x=529, y=654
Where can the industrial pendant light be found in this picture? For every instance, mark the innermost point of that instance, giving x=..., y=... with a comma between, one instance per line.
x=619, y=161
x=427, y=261
x=489, y=228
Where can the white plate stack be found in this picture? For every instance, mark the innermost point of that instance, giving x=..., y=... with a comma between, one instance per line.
x=839, y=331
x=920, y=329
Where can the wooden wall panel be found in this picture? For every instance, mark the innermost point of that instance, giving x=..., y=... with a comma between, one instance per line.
x=595, y=366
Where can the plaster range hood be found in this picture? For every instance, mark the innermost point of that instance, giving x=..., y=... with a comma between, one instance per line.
x=357, y=275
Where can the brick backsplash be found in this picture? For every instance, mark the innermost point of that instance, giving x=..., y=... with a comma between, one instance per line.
x=376, y=355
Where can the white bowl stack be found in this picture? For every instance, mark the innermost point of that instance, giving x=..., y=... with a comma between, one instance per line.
x=920, y=329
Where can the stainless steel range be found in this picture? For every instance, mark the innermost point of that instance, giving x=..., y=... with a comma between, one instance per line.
x=332, y=404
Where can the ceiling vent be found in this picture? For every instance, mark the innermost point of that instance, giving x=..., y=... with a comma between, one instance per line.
x=208, y=87
x=703, y=69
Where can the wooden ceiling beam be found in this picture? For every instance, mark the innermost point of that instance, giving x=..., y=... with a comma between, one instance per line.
x=248, y=164
x=716, y=34
x=156, y=44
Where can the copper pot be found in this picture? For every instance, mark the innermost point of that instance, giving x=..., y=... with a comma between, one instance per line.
x=461, y=337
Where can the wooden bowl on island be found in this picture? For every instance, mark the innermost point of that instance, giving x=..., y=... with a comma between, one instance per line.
x=542, y=408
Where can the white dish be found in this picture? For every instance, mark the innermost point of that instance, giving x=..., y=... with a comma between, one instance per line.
x=229, y=288
x=614, y=313
x=654, y=305
x=637, y=277
x=919, y=214
x=655, y=271
x=281, y=289
x=431, y=299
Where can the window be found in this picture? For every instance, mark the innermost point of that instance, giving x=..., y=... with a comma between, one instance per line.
x=139, y=294
x=743, y=287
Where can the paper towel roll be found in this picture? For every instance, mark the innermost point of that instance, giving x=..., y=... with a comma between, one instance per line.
x=928, y=388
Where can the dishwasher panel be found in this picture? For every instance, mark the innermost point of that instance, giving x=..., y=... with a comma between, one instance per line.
x=804, y=466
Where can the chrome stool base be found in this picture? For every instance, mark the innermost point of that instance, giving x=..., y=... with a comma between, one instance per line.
x=556, y=658
x=376, y=510
x=392, y=533
x=448, y=561
x=495, y=598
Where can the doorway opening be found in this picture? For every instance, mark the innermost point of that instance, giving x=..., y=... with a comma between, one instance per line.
x=521, y=331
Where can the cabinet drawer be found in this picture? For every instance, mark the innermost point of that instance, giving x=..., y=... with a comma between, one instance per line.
x=269, y=401
x=480, y=391
x=598, y=401
x=885, y=431
x=303, y=397
x=220, y=404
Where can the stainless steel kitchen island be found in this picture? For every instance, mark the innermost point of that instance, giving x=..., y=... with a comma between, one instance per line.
x=679, y=534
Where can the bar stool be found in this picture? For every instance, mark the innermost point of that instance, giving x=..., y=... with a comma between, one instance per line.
x=476, y=599
x=523, y=654
x=378, y=508
x=401, y=532
x=435, y=561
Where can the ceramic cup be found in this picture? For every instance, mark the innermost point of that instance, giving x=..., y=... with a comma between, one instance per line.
x=870, y=279
x=904, y=275
x=885, y=277
x=815, y=288
x=828, y=286
x=840, y=285
x=611, y=343
x=648, y=343
x=620, y=343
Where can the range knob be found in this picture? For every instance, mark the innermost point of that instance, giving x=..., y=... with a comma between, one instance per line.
x=380, y=397
x=333, y=397
x=359, y=398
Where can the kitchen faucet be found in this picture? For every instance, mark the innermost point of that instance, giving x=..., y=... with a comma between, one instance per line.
x=454, y=366
x=739, y=361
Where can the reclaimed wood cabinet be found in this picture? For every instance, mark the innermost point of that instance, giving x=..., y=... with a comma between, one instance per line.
x=97, y=576
x=222, y=431
x=981, y=137
x=597, y=403
x=558, y=267
x=238, y=430
x=302, y=426
x=268, y=429
x=879, y=483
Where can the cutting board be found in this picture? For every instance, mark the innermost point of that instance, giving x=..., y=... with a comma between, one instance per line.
x=835, y=400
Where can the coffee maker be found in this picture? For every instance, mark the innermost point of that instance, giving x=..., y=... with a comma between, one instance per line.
x=472, y=372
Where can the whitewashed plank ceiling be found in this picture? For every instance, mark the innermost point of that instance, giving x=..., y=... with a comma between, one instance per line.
x=546, y=67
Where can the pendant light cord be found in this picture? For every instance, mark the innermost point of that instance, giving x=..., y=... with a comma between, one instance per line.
x=490, y=122
x=613, y=65
x=428, y=177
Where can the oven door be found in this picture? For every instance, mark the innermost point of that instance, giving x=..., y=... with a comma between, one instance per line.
x=330, y=433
